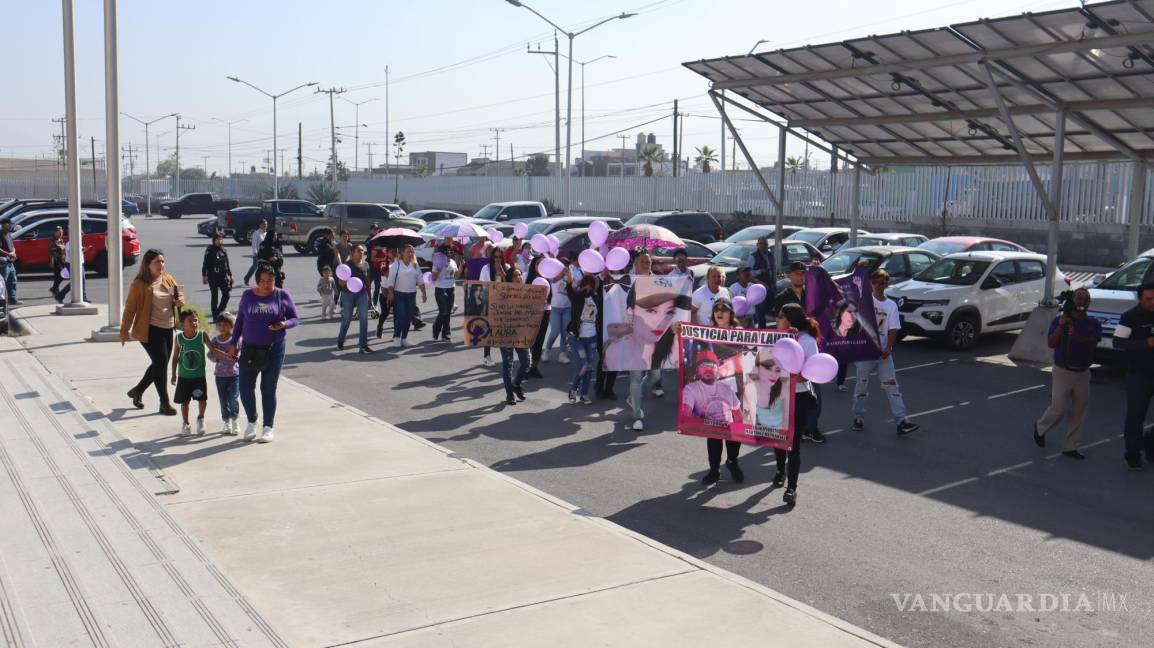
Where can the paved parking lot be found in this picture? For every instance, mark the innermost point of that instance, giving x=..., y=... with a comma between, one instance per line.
x=967, y=505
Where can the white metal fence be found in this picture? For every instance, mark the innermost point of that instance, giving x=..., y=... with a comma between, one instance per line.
x=1094, y=193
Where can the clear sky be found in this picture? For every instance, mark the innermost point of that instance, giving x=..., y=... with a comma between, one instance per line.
x=459, y=69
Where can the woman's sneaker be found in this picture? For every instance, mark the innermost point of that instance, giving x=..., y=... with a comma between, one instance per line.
x=487, y=361
x=200, y=427
x=228, y=428
x=906, y=427
x=735, y=472
x=563, y=358
x=711, y=477
x=572, y=395
x=185, y=429
x=790, y=497
x=582, y=399
x=250, y=431
x=265, y=435
x=235, y=427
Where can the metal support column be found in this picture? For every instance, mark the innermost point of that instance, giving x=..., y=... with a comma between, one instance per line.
x=779, y=220
x=1136, y=207
x=113, y=245
x=77, y=306
x=855, y=208
x=1055, y=207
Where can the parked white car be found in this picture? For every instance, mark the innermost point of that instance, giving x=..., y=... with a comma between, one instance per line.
x=1117, y=293
x=826, y=239
x=963, y=295
x=512, y=212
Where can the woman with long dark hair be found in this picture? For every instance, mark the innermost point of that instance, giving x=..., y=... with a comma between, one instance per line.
x=57, y=251
x=270, y=252
x=543, y=327
x=262, y=317
x=495, y=270
x=445, y=272
x=793, y=317
x=513, y=381
x=150, y=318
x=358, y=300
x=404, y=281
x=722, y=315
x=583, y=332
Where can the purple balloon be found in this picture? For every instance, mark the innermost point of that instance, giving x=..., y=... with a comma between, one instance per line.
x=344, y=272
x=520, y=230
x=755, y=294
x=542, y=281
x=821, y=368
x=495, y=235
x=789, y=355
x=617, y=259
x=598, y=231
x=740, y=306
x=540, y=243
x=554, y=242
x=591, y=261
x=354, y=285
x=550, y=268
x=64, y=274
x=427, y=277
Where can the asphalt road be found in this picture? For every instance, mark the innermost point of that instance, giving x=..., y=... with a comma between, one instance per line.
x=968, y=505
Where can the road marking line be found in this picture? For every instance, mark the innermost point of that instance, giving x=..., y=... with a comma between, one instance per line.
x=938, y=489
x=1016, y=391
x=933, y=411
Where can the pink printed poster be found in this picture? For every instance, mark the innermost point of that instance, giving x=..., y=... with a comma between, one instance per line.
x=731, y=388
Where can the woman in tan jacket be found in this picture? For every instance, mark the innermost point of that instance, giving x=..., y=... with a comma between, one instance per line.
x=150, y=317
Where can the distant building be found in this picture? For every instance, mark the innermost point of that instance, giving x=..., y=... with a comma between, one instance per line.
x=483, y=166
x=622, y=161
x=438, y=162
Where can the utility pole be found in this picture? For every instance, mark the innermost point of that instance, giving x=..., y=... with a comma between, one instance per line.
x=229, y=124
x=129, y=153
x=498, y=150
x=178, y=129
x=147, y=162
x=676, y=150
x=357, y=131
x=58, y=142
x=300, y=154
x=95, y=194
x=332, y=92
x=557, y=94
x=485, y=151
x=623, y=138
x=370, y=146
x=387, y=132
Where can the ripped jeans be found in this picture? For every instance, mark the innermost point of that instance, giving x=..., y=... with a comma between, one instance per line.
x=889, y=380
x=584, y=352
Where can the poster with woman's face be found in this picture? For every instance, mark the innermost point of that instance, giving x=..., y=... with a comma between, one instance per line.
x=845, y=311
x=638, y=322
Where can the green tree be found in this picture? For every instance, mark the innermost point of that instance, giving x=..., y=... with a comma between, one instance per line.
x=399, y=146
x=652, y=154
x=705, y=157
x=342, y=170
x=323, y=193
x=537, y=165
x=287, y=191
x=193, y=173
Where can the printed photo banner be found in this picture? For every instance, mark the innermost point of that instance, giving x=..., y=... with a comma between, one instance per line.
x=731, y=388
x=499, y=314
x=638, y=320
x=845, y=311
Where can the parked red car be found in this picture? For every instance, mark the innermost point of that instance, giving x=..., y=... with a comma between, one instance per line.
x=32, y=242
x=944, y=245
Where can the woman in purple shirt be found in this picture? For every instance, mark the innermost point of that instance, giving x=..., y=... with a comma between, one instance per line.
x=261, y=319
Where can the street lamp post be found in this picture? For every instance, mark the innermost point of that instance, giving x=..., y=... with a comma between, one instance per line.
x=274, y=97
x=229, y=124
x=569, y=92
x=733, y=167
x=357, y=131
x=147, y=163
x=605, y=56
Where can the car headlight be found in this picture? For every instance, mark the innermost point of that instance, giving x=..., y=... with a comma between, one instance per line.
x=933, y=316
x=936, y=302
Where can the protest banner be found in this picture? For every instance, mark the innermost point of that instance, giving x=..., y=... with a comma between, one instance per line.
x=638, y=320
x=731, y=388
x=844, y=309
x=499, y=314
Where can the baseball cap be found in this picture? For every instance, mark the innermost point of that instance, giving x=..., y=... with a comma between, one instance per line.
x=797, y=266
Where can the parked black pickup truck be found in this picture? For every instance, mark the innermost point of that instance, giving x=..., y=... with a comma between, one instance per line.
x=195, y=203
x=239, y=223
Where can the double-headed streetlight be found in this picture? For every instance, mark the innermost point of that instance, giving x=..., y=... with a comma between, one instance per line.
x=147, y=163
x=357, y=132
x=274, y=97
x=569, y=99
x=229, y=124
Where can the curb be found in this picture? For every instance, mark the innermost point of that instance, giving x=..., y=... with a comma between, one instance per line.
x=741, y=581
x=18, y=327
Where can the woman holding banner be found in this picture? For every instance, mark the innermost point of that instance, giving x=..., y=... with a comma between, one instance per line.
x=722, y=316
x=793, y=317
x=355, y=295
x=513, y=382
x=494, y=270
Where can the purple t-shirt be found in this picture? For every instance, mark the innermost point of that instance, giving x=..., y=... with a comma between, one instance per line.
x=254, y=315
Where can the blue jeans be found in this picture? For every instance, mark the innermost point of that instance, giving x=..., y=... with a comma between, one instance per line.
x=638, y=381
x=360, y=301
x=9, y=271
x=584, y=351
x=228, y=390
x=507, y=375
x=268, y=379
x=404, y=304
x=889, y=380
x=558, y=326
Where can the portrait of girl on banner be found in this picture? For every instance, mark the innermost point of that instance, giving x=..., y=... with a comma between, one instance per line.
x=639, y=317
x=844, y=309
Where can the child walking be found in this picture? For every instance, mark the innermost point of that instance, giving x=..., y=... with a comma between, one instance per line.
x=188, y=371
x=227, y=374
x=326, y=286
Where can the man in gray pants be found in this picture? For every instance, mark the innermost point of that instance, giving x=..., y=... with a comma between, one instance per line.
x=1073, y=337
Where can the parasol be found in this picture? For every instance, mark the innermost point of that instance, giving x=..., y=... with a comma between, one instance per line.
x=643, y=236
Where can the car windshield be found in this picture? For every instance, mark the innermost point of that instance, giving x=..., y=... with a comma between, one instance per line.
x=1129, y=276
x=866, y=241
x=750, y=233
x=488, y=212
x=538, y=228
x=954, y=272
x=844, y=262
x=813, y=238
x=943, y=248
x=433, y=228
x=733, y=255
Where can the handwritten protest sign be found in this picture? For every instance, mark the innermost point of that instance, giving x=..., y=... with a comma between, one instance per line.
x=731, y=388
x=502, y=314
x=639, y=316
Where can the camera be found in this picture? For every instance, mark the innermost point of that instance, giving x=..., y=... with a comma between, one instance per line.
x=1066, y=299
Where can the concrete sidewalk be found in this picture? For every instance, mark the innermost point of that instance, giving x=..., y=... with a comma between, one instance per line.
x=347, y=530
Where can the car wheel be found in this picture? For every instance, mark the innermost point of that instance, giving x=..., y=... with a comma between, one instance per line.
x=100, y=264
x=174, y=215
x=246, y=238
x=301, y=249
x=312, y=245
x=962, y=332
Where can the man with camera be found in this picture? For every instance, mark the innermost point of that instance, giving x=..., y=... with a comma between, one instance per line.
x=1073, y=337
x=1135, y=336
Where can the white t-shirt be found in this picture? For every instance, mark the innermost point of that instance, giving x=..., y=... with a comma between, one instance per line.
x=588, y=317
x=737, y=290
x=485, y=274
x=703, y=302
x=888, y=317
x=448, y=276
x=677, y=272
x=809, y=346
x=404, y=278
x=257, y=238
x=560, y=298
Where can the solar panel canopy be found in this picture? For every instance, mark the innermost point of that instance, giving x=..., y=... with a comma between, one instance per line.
x=924, y=97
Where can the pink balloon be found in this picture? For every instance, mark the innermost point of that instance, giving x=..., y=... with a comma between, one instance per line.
x=740, y=306
x=591, y=261
x=755, y=294
x=64, y=274
x=554, y=242
x=821, y=368
x=520, y=230
x=540, y=243
x=354, y=285
x=542, y=281
x=598, y=231
x=344, y=272
x=427, y=277
x=550, y=268
x=789, y=355
x=495, y=235
x=617, y=259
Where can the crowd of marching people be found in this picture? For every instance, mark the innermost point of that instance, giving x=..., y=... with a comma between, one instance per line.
x=373, y=279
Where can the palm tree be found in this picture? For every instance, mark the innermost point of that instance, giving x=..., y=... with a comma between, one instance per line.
x=652, y=154
x=705, y=156
x=795, y=163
